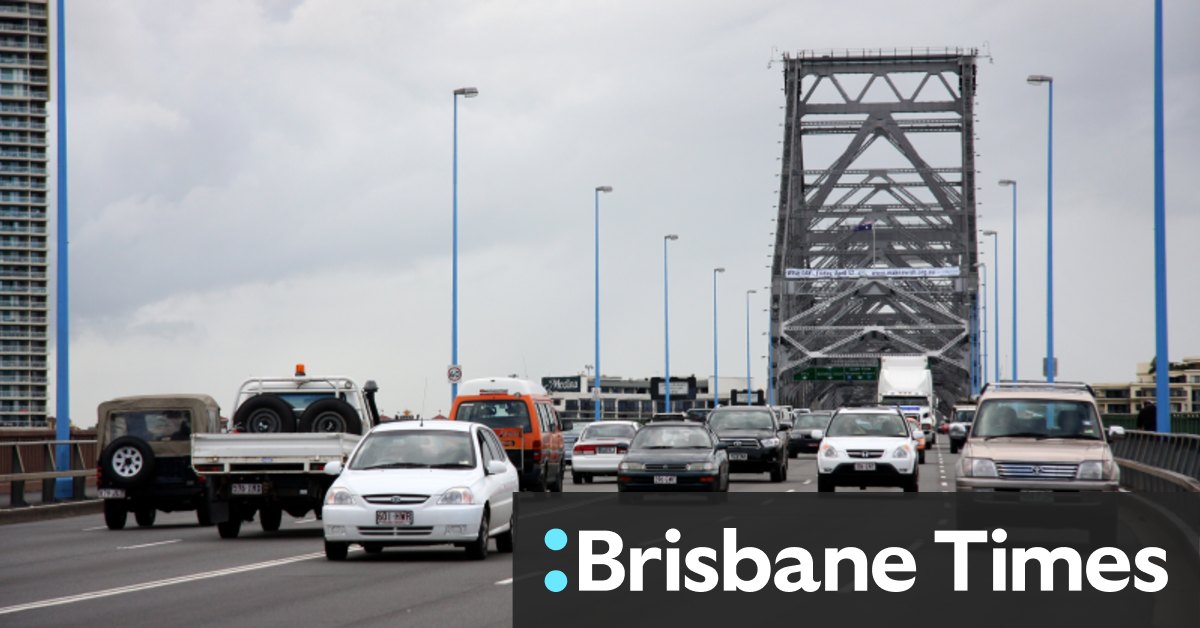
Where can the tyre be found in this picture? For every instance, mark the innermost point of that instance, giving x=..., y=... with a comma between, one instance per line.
x=556, y=484
x=538, y=484
x=127, y=461
x=330, y=416
x=478, y=549
x=576, y=478
x=778, y=474
x=372, y=548
x=785, y=469
x=589, y=479
x=230, y=528
x=824, y=484
x=336, y=551
x=912, y=484
x=921, y=457
x=115, y=513
x=145, y=516
x=203, y=515
x=269, y=518
x=265, y=414
x=953, y=447
x=507, y=540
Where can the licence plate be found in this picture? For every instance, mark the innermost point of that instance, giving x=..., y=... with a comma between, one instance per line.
x=737, y=456
x=606, y=450
x=111, y=493
x=664, y=479
x=393, y=518
x=247, y=489
x=864, y=466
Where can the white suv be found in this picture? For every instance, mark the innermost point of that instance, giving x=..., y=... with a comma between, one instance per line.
x=867, y=447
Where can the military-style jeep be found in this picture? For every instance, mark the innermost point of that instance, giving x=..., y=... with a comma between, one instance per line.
x=145, y=460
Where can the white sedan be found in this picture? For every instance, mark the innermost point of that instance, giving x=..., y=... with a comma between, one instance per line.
x=600, y=449
x=422, y=483
x=867, y=447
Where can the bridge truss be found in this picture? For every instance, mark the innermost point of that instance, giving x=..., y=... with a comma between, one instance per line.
x=875, y=246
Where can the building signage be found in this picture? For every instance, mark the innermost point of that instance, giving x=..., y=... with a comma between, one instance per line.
x=567, y=384
x=871, y=273
x=837, y=374
x=681, y=388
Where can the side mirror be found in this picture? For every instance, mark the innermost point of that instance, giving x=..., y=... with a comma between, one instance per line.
x=722, y=446
x=818, y=435
x=1116, y=432
x=334, y=468
x=785, y=426
x=496, y=467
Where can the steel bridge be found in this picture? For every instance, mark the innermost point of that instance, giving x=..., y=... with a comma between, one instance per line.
x=875, y=249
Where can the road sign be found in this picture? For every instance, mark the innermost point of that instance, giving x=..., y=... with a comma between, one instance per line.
x=837, y=374
x=454, y=373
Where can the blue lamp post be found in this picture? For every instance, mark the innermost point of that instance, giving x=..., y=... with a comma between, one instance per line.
x=748, y=390
x=596, y=381
x=1013, y=184
x=983, y=324
x=62, y=402
x=716, y=385
x=996, y=299
x=1051, y=370
x=1162, y=363
x=465, y=92
x=667, y=322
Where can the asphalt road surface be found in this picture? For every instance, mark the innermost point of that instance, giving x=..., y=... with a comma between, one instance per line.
x=75, y=572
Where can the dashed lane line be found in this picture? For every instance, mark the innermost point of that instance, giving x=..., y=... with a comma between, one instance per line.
x=157, y=543
x=504, y=581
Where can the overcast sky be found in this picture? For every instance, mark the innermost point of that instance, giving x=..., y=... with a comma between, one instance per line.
x=255, y=184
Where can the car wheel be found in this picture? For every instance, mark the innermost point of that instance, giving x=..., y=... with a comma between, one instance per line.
x=230, y=528
x=824, y=484
x=127, y=461
x=921, y=457
x=575, y=478
x=777, y=474
x=507, y=540
x=115, y=513
x=145, y=516
x=557, y=485
x=478, y=549
x=269, y=518
x=330, y=416
x=265, y=414
x=953, y=447
x=336, y=551
x=912, y=484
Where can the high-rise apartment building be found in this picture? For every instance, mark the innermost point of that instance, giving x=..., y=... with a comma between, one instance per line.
x=24, y=90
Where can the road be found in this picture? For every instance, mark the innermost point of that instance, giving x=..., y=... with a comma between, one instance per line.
x=75, y=572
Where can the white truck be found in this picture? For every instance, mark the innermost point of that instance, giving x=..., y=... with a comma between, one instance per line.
x=907, y=382
x=285, y=430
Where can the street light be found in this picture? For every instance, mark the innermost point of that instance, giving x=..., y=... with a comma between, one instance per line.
x=1162, y=362
x=1050, y=367
x=596, y=382
x=465, y=92
x=983, y=323
x=748, y=293
x=716, y=392
x=770, y=360
x=996, y=299
x=1013, y=184
x=667, y=321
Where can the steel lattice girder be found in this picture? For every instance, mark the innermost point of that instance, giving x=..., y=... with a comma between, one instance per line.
x=920, y=208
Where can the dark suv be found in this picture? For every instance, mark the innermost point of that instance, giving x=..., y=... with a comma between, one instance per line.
x=755, y=439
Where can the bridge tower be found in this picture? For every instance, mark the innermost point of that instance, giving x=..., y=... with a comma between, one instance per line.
x=875, y=245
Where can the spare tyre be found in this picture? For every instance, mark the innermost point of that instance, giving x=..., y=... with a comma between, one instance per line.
x=330, y=416
x=127, y=461
x=265, y=414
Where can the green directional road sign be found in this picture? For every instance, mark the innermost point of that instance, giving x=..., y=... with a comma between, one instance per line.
x=837, y=374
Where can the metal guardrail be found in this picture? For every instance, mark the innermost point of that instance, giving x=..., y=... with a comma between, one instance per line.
x=1154, y=462
x=25, y=454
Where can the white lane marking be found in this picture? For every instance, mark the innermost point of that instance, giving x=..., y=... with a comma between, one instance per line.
x=944, y=484
x=792, y=490
x=129, y=547
x=83, y=597
x=310, y=520
x=807, y=482
x=504, y=581
x=94, y=528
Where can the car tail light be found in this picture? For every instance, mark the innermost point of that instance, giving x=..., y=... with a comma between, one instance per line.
x=537, y=456
x=537, y=444
x=622, y=450
x=585, y=449
x=317, y=466
x=208, y=468
x=707, y=478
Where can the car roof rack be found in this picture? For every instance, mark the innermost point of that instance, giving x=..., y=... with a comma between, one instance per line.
x=1029, y=384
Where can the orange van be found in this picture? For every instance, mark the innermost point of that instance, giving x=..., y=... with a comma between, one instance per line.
x=522, y=414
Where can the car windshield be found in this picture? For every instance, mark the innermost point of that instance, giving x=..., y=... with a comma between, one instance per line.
x=151, y=425
x=964, y=416
x=404, y=449
x=673, y=437
x=614, y=430
x=898, y=400
x=740, y=420
x=1036, y=418
x=814, y=421
x=496, y=414
x=867, y=424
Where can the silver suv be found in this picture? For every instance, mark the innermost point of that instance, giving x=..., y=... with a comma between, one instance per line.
x=1037, y=436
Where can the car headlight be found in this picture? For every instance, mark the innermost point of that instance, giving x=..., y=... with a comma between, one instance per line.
x=901, y=452
x=701, y=466
x=769, y=442
x=977, y=468
x=1093, y=470
x=631, y=466
x=338, y=496
x=829, y=451
x=458, y=496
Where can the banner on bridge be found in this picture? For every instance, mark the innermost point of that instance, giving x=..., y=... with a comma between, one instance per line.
x=871, y=273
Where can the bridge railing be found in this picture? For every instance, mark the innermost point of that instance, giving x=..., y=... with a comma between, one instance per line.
x=24, y=461
x=1155, y=462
